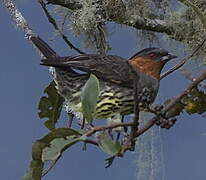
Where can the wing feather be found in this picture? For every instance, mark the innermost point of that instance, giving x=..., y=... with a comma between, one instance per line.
x=109, y=68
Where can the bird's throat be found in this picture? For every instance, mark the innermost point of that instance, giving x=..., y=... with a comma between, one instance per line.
x=147, y=66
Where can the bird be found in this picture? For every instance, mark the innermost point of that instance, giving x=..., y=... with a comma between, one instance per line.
x=116, y=77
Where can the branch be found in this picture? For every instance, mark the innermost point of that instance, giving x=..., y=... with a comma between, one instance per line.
x=143, y=23
x=137, y=22
x=183, y=61
x=53, y=22
x=175, y=100
x=152, y=121
x=105, y=127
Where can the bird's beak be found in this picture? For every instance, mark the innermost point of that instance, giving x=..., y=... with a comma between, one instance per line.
x=168, y=57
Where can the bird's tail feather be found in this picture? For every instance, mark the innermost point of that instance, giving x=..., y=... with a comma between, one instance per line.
x=53, y=62
x=43, y=47
x=52, y=58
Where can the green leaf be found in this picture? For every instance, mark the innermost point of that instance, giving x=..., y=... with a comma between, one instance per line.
x=57, y=146
x=50, y=146
x=195, y=102
x=108, y=146
x=176, y=110
x=35, y=171
x=89, y=97
x=50, y=106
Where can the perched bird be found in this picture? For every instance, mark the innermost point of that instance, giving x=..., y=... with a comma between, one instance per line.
x=116, y=76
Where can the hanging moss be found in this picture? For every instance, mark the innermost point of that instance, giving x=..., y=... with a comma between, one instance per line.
x=89, y=21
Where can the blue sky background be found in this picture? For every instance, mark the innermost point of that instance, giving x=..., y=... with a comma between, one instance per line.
x=23, y=81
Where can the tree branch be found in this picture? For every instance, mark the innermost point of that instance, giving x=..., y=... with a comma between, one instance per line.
x=137, y=22
x=140, y=22
x=152, y=121
x=93, y=130
x=175, y=100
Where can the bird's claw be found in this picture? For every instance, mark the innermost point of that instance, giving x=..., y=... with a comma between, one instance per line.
x=155, y=109
x=158, y=107
x=164, y=122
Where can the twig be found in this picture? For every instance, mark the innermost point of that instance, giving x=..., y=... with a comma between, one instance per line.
x=91, y=142
x=172, y=104
x=104, y=127
x=195, y=82
x=53, y=22
x=70, y=119
x=183, y=61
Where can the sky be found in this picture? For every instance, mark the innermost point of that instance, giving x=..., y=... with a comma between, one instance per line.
x=23, y=81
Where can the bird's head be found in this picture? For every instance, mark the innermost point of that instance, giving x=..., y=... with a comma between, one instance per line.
x=151, y=61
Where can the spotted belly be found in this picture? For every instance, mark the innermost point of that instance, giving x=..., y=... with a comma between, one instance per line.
x=113, y=99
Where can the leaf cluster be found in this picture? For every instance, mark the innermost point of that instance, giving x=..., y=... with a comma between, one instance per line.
x=194, y=102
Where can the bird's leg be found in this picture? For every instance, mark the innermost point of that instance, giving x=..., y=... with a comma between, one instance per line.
x=113, y=120
x=164, y=122
x=158, y=107
x=70, y=119
x=110, y=132
x=118, y=136
x=83, y=123
x=155, y=109
x=125, y=128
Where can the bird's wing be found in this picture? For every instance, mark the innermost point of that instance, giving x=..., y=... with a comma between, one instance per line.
x=110, y=68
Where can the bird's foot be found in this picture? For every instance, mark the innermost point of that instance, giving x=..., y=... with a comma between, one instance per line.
x=164, y=122
x=70, y=119
x=158, y=107
x=155, y=109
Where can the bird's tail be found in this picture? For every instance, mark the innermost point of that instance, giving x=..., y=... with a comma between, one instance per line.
x=52, y=58
x=43, y=47
x=56, y=61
